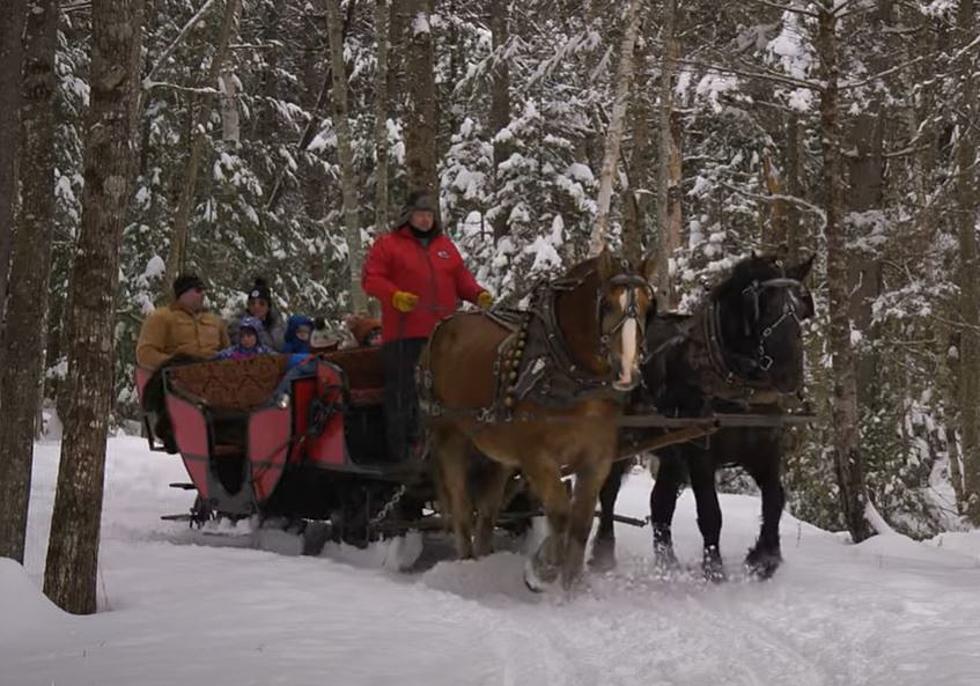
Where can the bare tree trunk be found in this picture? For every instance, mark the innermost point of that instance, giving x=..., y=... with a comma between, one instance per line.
x=636, y=201
x=849, y=461
x=352, y=229
x=614, y=135
x=273, y=27
x=12, y=14
x=228, y=86
x=969, y=271
x=794, y=233
x=776, y=210
x=421, y=126
x=110, y=164
x=381, y=118
x=864, y=194
x=669, y=178
x=23, y=353
x=188, y=185
x=499, y=103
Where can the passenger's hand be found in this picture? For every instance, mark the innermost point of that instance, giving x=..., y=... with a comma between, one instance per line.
x=403, y=301
x=484, y=300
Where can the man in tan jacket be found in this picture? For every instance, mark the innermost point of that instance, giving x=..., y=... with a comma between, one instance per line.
x=182, y=328
x=181, y=332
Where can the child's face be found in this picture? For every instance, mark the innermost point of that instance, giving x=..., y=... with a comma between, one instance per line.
x=303, y=333
x=373, y=338
x=249, y=339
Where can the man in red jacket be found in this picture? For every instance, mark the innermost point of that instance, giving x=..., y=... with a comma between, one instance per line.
x=419, y=277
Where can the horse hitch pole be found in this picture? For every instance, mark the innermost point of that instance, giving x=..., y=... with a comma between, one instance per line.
x=623, y=519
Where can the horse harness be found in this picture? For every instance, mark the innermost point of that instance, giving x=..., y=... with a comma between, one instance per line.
x=725, y=374
x=534, y=363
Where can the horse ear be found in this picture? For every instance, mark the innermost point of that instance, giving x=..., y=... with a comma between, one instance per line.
x=648, y=268
x=801, y=270
x=606, y=263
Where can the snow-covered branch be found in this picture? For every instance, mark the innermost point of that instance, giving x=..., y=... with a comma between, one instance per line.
x=202, y=90
x=148, y=79
x=766, y=75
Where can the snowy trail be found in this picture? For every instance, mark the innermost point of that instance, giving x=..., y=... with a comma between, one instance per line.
x=246, y=609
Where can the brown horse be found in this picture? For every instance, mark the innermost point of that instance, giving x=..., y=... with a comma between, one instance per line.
x=541, y=393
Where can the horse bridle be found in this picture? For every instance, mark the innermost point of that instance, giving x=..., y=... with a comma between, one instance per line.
x=630, y=281
x=763, y=360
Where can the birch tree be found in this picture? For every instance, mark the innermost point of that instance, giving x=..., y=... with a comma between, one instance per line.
x=614, y=134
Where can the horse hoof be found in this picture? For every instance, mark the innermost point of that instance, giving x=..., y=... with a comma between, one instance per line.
x=664, y=559
x=603, y=555
x=712, y=565
x=535, y=580
x=762, y=564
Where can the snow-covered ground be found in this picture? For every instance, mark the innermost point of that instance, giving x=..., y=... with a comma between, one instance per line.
x=182, y=607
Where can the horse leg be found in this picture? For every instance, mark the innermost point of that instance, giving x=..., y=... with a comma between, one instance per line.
x=604, y=545
x=451, y=450
x=709, y=512
x=764, y=557
x=663, y=501
x=588, y=482
x=544, y=478
x=489, y=499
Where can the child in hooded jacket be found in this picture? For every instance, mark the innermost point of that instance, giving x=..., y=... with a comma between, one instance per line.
x=249, y=332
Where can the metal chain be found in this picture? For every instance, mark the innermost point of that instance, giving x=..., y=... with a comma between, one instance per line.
x=388, y=507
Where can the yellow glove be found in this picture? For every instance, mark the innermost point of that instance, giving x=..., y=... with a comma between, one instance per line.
x=484, y=300
x=403, y=301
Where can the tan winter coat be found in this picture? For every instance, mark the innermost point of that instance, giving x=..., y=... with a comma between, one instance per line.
x=173, y=330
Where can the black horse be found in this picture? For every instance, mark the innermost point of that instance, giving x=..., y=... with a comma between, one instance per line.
x=741, y=351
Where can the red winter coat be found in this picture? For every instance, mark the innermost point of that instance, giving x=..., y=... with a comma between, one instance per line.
x=399, y=262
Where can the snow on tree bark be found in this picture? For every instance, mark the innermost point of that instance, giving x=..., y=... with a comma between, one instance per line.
x=23, y=356
x=614, y=134
x=848, y=458
x=111, y=156
x=968, y=276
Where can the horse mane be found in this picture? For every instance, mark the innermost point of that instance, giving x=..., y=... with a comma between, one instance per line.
x=582, y=268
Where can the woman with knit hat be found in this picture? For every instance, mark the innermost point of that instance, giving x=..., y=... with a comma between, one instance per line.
x=258, y=304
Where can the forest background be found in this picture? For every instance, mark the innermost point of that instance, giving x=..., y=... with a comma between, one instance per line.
x=843, y=129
